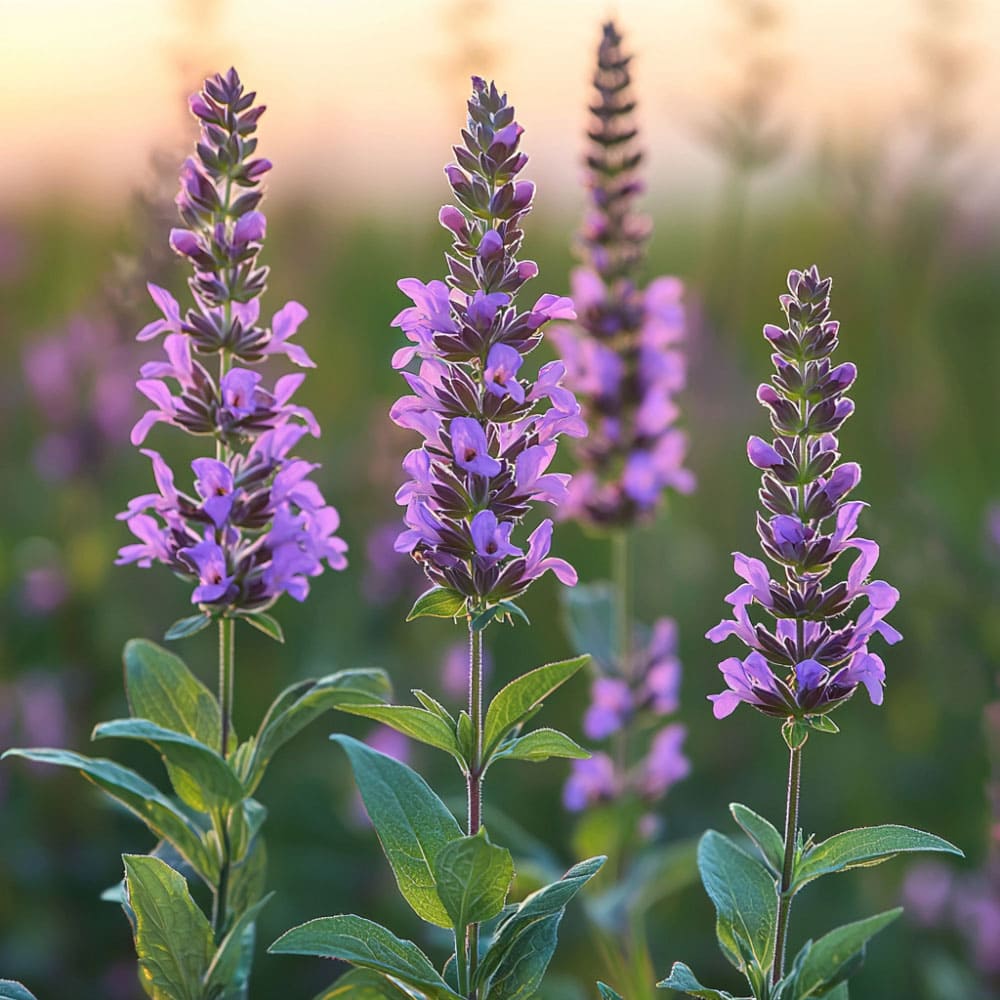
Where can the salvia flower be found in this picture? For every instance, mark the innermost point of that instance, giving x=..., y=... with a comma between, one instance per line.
x=253, y=525
x=490, y=429
x=638, y=698
x=813, y=654
x=623, y=357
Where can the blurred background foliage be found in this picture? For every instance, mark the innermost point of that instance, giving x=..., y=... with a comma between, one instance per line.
x=916, y=266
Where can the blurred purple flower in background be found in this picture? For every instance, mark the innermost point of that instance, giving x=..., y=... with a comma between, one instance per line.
x=489, y=429
x=638, y=699
x=255, y=526
x=80, y=381
x=821, y=656
x=622, y=355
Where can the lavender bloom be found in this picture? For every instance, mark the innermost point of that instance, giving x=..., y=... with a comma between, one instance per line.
x=622, y=356
x=814, y=657
x=489, y=429
x=255, y=525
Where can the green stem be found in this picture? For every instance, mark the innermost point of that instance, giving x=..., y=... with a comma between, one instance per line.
x=622, y=579
x=475, y=779
x=791, y=834
x=227, y=670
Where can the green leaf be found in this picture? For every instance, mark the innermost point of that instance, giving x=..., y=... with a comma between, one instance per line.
x=438, y=602
x=504, y=611
x=433, y=705
x=229, y=968
x=417, y=723
x=473, y=877
x=161, y=688
x=248, y=877
x=683, y=980
x=607, y=993
x=412, y=823
x=142, y=799
x=367, y=945
x=744, y=897
x=795, y=733
x=300, y=703
x=838, y=954
x=184, y=627
x=763, y=833
x=516, y=702
x=541, y=744
x=9, y=990
x=522, y=969
x=363, y=984
x=822, y=724
x=199, y=775
x=173, y=940
x=270, y=626
x=589, y=610
x=863, y=847
x=528, y=935
x=465, y=737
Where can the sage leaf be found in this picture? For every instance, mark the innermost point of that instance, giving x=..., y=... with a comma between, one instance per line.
x=864, y=847
x=836, y=955
x=9, y=990
x=514, y=939
x=367, y=945
x=473, y=877
x=160, y=687
x=201, y=778
x=229, y=968
x=763, y=833
x=363, y=984
x=539, y=745
x=142, y=799
x=745, y=900
x=417, y=723
x=438, y=602
x=412, y=824
x=683, y=980
x=301, y=703
x=173, y=939
x=522, y=697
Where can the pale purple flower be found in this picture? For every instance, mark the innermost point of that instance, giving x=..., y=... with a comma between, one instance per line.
x=623, y=353
x=489, y=430
x=815, y=655
x=255, y=525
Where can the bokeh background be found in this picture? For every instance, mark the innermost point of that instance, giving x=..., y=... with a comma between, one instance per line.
x=859, y=136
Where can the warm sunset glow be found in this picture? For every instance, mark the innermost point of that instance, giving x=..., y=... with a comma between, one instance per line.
x=366, y=94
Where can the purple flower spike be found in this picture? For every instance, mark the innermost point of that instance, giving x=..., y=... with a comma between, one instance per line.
x=489, y=430
x=815, y=654
x=255, y=525
x=622, y=355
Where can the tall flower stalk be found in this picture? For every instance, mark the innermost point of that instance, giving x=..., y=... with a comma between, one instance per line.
x=490, y=432
x=807, y=657
x=625, y=363
x=252, y=526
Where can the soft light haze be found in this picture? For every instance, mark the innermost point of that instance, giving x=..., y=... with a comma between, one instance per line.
x=365, y=98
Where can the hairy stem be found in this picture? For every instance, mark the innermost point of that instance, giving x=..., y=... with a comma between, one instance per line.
x=475, y=780
x=227, y=670
x=791, y=833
